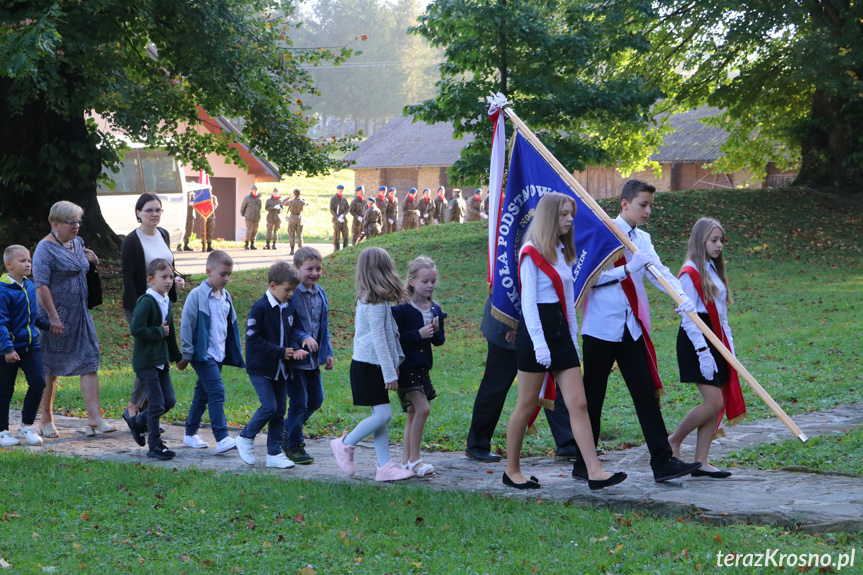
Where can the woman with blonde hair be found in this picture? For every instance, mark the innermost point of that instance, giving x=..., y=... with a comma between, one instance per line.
x=547, y=338
x=71, y=346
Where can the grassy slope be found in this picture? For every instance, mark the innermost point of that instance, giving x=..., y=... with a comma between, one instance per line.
x=795, y=272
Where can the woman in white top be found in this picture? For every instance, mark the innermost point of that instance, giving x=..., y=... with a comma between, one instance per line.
x=547, y=338
x=699, y=361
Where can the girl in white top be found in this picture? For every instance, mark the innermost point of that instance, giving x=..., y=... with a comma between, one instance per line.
x=375, y=362
x=698, y=361
x=547, y=338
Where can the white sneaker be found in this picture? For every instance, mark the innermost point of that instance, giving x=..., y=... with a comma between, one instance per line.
x=195, y=442
x=226, y=444
x=29, y=435
x=279, y=461
x=246, y=448
x=7, y=439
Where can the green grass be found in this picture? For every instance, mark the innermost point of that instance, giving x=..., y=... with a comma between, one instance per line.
x=834, y=453
x=794, y=265
x=317, y=221
x=67, y=515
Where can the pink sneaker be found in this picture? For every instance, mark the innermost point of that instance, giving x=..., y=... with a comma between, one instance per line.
x=392, y=472
x=344, y=455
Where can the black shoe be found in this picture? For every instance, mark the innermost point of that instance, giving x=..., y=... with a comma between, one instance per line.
x=186, y=248
x=209, y=247
x=292, y=251
x=137, y=434
x=532, y=483
x=298, y=454
x=566, y=453
x=273, y=246
x=252, y=246
x=579, y=471
x=161, y=451
x=482, y=455
x=597, y=484
x=179, y=247
x=246, y=246
x=672, y=469
x=718, y=474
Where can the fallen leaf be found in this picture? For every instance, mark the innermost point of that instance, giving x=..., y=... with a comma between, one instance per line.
x=307, y=570
x=84, y=516
x=4, y=564
x=184, y=558
x=595, y=540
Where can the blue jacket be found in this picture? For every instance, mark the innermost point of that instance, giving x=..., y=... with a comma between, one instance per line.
x=263, y=352
x=18, y=316
x=195, y=328
x=325, y=347
x=418, y=351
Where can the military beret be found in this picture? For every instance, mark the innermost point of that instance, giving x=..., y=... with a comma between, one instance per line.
x=392, y=189
x=360, y=188
x=340, y=187
x=382, y=189
x=412, y=191
x=426, y=190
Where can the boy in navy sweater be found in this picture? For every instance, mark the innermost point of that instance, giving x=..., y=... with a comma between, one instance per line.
x=273, y=337
x=19, y=343
x=306, y=391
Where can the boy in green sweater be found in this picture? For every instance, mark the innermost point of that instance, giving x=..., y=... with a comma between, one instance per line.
x=155, y=348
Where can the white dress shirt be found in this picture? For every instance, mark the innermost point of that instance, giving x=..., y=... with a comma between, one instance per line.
x=695, y=335
x=536, y=288
x=606, y=307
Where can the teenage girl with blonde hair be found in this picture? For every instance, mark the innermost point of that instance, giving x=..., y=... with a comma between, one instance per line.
x=547, y=338
x=704, y=280
x=376, y=358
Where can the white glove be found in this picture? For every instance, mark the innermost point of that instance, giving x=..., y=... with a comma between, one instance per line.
x=390, y=221
x=483, y=216
x=422, y=221
x=543, y=356
x=639, y=259
x=686, y=305
x=342, y=218
x=707, y=364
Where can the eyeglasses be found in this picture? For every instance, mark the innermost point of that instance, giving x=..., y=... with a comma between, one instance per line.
x=76, y=223
x=153, y=211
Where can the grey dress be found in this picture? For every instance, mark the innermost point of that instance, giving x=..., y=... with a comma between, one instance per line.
x=64, y=271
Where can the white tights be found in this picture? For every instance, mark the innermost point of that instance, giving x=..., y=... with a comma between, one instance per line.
x=375, y=425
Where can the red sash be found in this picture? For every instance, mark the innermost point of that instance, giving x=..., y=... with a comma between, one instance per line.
x=732, y=396
x=629, y=290
x=548, y=392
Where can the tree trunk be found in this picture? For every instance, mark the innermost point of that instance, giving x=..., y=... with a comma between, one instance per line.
x=45, y=158
x=827, y=146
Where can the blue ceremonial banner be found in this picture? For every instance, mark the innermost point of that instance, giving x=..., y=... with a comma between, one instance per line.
x=530, y=177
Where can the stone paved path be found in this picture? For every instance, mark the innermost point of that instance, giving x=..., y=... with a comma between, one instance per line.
x=817, y=502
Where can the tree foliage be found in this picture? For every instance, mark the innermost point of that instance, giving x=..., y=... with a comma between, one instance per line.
x=788, y=75
x=61, y=60
x=568, y=66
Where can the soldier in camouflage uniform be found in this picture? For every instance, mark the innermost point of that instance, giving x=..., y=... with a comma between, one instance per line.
x=474, y=207
x=410, y=219
x=295, y=219
x=372, y=219
x=456, y=208
x=250, y=209
x=339, y=210
x=439, y=206
x=274, y=218
x=381, y=203
x=357, y=210
x=391, y=213
x=426, y=207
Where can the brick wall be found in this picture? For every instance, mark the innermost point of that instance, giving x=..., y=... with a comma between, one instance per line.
x=368, y=177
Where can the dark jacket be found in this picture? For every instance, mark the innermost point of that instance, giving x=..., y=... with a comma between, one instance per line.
x=418, y=351
x=134, y=269
x=19, y=317
x=493, y=329
x=250, y=208
x=325, y=346
x=152, y=346
x=263, y=351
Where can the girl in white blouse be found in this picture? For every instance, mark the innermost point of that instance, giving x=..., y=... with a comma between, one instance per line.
x=699, y=361
x=547, y=337
x=374, y=365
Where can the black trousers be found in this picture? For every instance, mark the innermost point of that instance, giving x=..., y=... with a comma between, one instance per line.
x=599, y=357
x=500, y=372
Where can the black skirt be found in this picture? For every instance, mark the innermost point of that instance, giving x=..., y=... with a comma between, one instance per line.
x=687, y=359
x=367, y=384
x=414, y=379
x=556, y=330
